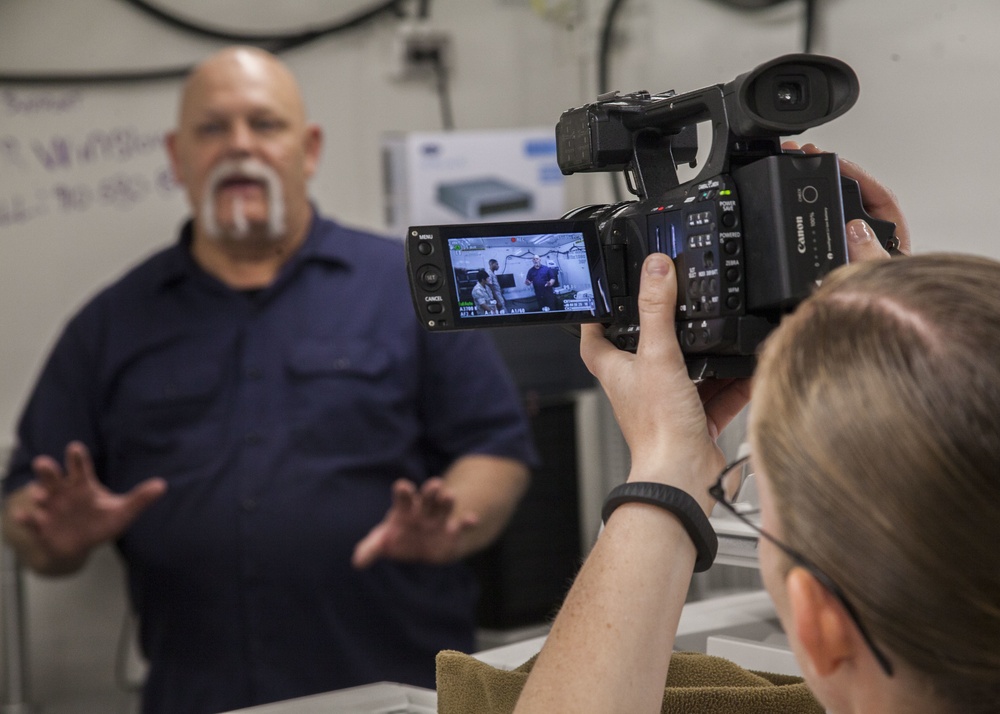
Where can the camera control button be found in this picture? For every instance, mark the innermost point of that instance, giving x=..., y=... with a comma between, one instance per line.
x=728, y=219
x=733, y=302
x=430, y=277
x=733, y=275
x=731, y=247
x=425, y=247
x=435, y=308
x=627, y=342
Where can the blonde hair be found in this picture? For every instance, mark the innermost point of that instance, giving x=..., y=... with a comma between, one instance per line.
x=877, y=418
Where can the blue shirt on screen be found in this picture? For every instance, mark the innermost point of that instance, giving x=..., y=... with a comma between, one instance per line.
x=279, y=419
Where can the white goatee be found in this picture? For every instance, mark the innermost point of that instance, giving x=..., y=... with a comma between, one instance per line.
x=240, y=228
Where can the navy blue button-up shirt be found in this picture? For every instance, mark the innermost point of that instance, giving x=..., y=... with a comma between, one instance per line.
x=279, y=420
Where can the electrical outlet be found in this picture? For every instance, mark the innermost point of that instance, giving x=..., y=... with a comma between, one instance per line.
x=419, y=52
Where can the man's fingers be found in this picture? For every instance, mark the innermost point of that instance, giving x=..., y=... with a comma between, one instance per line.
x=404, y=496
x=462, y=523
x=141, y=497
x=436, y=501
x=32, y=513
x=36, y=494
x=368, y=548
x=79, y=465
x=24, y=516
x=48, y=472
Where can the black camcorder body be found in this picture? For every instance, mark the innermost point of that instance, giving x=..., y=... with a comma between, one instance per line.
x=751, y=234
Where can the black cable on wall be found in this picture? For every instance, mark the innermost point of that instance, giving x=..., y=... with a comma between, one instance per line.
x=276, y=43
x=271, y=41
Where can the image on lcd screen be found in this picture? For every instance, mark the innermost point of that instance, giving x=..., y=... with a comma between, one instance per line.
x=521, y=274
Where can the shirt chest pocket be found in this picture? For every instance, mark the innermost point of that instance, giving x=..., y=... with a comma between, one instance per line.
x=167, y=414
x=342, y=397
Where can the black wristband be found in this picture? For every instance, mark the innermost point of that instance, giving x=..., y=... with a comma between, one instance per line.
x=679, y=503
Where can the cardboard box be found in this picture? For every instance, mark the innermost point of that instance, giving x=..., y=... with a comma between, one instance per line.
x=433, y=178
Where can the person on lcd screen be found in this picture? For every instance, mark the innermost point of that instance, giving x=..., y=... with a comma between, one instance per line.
x=483, y=296
x=494, y=282
x=542, y=279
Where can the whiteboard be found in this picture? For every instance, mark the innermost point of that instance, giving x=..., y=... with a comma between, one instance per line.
x=85, y=190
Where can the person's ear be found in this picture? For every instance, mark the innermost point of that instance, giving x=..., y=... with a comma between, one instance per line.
x=313, y=147
x=170, y=142
x=822, y=625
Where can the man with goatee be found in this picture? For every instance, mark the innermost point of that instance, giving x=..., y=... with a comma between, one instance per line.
x=290, y=466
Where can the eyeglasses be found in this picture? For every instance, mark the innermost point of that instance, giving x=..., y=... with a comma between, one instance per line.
x=726, y=491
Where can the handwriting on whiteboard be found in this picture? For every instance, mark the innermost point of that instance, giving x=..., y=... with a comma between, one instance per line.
x=54, y=102
x=60, y=158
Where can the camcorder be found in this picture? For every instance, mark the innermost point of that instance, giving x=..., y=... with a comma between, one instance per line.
x=751, y=234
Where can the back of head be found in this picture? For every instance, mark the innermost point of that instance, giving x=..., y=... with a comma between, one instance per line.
x=877, y=418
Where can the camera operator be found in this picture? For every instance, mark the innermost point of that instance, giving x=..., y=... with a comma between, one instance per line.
x=862, y=437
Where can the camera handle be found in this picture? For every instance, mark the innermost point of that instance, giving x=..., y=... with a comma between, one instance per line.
x=654, y=132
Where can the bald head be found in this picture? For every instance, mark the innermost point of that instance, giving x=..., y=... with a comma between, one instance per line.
x=249, y=66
